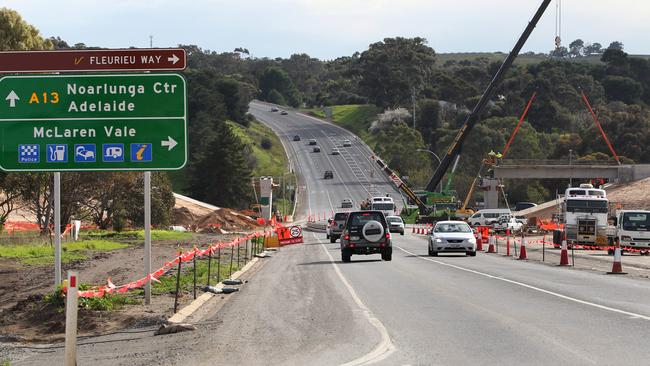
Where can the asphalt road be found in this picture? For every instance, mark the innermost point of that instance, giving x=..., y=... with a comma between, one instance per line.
x=304, y=307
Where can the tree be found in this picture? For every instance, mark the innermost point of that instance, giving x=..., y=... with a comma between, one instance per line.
x=220, y=174
x=560, y=52
x=393, y=69
x=622, y=88
x=428, y=121
x=9, y=196
x=162, y=201
x=18, y=35
x=616, y=45
x=274, y=78
x=575, y=48
x=593, y=49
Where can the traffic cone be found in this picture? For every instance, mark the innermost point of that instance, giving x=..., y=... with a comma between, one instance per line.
x=491, y=246
x=507, y=242
x=564, y=254
x=479, y=243
x=617, y=267
x=413, y=229
x=522, y=249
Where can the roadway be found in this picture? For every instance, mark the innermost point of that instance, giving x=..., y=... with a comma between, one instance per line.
x=303, y=306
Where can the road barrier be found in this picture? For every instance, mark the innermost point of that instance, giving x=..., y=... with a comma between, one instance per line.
x=522, y=249
x=71, y=308
x=617, y=267
x=491, y=239
x=564, y=254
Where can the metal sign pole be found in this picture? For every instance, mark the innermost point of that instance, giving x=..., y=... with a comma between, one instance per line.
x=147, y=235
x=57, y=228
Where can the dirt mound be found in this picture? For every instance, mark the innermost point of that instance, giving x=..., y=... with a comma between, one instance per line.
x=228, y=220
x=182, y=216
x=631, y=196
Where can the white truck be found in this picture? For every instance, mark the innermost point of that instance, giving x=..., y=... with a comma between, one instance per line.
x=633, y=229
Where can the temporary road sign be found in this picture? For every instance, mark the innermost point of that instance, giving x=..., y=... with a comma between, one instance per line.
x=295, y=231
x=93, y=122
x=132, y=59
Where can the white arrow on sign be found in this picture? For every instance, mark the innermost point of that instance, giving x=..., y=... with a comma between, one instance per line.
x=174, y=59
x=12, y=98
x=170, y=143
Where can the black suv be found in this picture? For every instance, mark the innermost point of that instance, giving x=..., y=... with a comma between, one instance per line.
x=366, y=232
x=328, y=175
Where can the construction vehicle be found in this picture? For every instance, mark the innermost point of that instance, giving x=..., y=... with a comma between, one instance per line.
x=431, y=205
x=474, y=117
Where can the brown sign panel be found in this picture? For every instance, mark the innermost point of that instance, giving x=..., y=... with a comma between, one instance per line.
x=132, y=59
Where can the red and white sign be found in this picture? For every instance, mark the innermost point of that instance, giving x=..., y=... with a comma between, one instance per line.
x=131, y=59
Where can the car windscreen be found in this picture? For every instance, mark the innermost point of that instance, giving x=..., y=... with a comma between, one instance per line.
x=383, y=206
x=636, y=221
x=361, y=219
x=452, y=228
x=594, y=206
x=394, y=219
x=340, y=216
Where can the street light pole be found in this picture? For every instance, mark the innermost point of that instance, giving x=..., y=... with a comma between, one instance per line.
x=570, y=172
x=436, y=156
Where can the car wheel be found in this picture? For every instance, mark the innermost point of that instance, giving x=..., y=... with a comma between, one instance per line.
x=401, y=232
x=345, y=256
x=430, y=252
x=387, y=256
x=332, y=239
x=327, y=236
x=434, y=254
x=471, y=254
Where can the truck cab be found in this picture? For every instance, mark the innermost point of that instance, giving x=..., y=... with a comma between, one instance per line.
x=633, y=229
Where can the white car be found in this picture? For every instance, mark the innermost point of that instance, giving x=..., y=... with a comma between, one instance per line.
x=347, y=143
x=452, y=237
x=508, y=222
x=395, y=224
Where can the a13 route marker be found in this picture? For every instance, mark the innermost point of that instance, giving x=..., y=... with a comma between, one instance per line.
x=93, y=122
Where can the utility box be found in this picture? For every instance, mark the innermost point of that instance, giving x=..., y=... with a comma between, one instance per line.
x=266, y=197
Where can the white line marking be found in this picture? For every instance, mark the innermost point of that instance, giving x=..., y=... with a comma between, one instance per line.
x=602, y=307
x=385, y=347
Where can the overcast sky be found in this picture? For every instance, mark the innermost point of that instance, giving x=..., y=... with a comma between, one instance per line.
x=331, y=28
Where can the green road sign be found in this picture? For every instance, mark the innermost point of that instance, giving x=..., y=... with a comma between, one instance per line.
x=93, y=122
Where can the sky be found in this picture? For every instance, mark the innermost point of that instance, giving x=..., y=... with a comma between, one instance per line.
x=327, y=29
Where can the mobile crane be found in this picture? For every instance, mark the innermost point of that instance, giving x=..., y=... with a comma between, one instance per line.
x=472, y=119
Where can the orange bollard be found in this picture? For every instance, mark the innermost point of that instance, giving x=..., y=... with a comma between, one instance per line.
x=564, y=254
x=522, y=250
x=491, y=244
x=617, y=267
x=507, y=242
x=479, y=243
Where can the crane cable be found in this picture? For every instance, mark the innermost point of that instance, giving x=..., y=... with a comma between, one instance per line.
x=558, y=23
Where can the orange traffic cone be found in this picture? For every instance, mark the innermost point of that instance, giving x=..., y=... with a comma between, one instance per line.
x=522, y=250
x=413, y=229
x=479, y=243
x=617, y=267
x=491, y=245
x=564, y=254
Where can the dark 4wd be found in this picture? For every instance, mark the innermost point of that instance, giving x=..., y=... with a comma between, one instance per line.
x=366, y=232
x=328, y=175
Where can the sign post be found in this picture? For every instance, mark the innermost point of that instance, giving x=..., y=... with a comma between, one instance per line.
x=93, y=122
x=57, y=229
x=147, y=236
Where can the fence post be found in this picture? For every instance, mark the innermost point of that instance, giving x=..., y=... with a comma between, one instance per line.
x=238, y=254
x=232, y=254
x=70, y=358
x=178, y=280
x=194, y=264
x=209, y=265
x=219, y=263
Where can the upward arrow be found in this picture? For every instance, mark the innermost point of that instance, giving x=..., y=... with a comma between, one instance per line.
x=174, y=59
x=12, y=98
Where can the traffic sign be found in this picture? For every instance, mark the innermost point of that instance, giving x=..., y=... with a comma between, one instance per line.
x=93, y=122
x=132, y=59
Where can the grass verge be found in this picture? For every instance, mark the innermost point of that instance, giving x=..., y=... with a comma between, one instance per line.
x=139, y=235
x=42, y=254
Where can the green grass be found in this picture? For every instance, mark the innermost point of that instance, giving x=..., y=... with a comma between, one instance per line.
x=353, y=117
x=42, y=254
x=108, y=302
x=271, y=162
x=167, y=283
x=139, y=235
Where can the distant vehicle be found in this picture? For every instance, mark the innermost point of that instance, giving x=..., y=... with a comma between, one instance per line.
x=328, y=175
x=336, y=151
x=346, y=203
x=296, y=138
x=383, y=204
x=274, y=109
x=487, y=216
x=347, y=143
x=505, y=222
x=452, y=237
x=336, y=226
x=520, y=206
x=586, y=211
x=284, y=113
x=395, y=224
x=366, y=232
x=312, y=141
x=316, y=149
x=633, y=229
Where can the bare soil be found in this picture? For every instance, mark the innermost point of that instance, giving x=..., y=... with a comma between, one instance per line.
x=24, y=316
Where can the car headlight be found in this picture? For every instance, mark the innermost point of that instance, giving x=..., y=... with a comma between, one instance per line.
x=472, y=240
x=438, y=240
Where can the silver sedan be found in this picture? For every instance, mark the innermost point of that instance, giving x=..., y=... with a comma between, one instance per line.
x=452, y=237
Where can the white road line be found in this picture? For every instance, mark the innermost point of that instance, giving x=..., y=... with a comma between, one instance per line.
x=385, y=347
x=565, y=297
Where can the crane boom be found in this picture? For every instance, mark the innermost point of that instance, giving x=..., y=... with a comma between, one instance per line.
x=400, y=184
x=473, y=117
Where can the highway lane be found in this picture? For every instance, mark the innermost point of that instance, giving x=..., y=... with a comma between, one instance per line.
x=355, y=175
x=488, y=309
